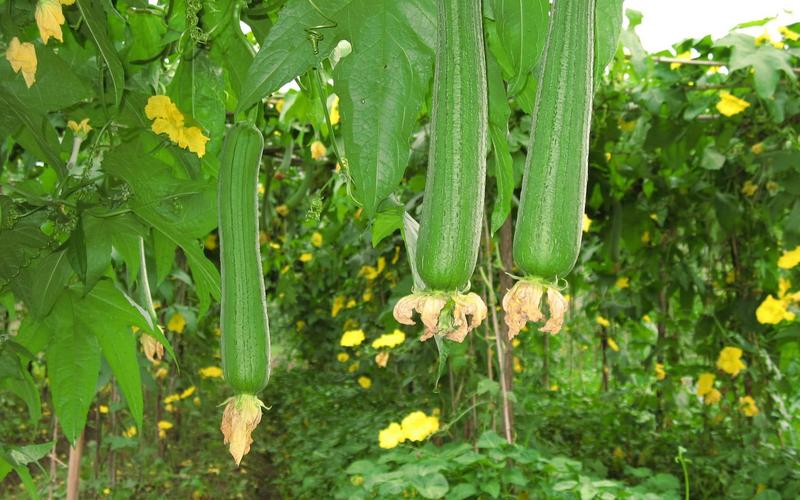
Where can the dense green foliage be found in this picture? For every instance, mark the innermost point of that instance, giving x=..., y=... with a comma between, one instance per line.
x=678, y=366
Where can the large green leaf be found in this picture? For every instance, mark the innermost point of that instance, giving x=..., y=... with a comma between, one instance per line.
x=766, y=61
x=115, y=338
x=31, y=130
x=95, y=19
x=281, y=57
x=499, y=112
x=522, y=29
x=49, y=280
x=57, y=86
x=73, y=366
x=188, y=204
x=18, y=248
x=391, y=43
x=607, y=25
x=199, y=91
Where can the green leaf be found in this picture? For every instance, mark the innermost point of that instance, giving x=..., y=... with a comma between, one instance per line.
x=430, y=485
x=199, y=91
x=767, y=62
x=607, y=25
x=499, y=113
x=712, y=159
x=391, y=42
x=117, y=341
x=281, y=57
x=24, y=455
x=522, y=29
x=95, y=19
x=118, y=306
x=73, y=365
x=386, y=222
x=410, y=232
x=57, y=86
x=147, y=30
x=19, y=247
x=188, y=204
x=36, y=135
x=49, y=279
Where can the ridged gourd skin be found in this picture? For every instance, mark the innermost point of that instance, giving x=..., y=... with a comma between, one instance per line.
x=548, y=231
x=243, y=317
x=452, y=211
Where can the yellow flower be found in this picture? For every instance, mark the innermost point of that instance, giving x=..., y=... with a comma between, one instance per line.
x=389, y=340
x=102, y=409
x=554, y=387
x=367, y=295
x=351, y=303
x=22, y=57
x=730, y=360
x=364, y=382
x=646, y=318
x=318, y=150
x=338, y=305
x=370, y=272
x=172, y=398
x=194, y=140
x=316, y=239
x=188, y=392
x=602, y=321
x=176, y=323
x=789, y=34
x=352, y=338
x=757, y=148
x=213, y=470
x=211, y=372
x=279, y=104
x=106, y=491
x=587, y=223
x=300, y=325
x=685, y=56
x=129, y=432
x=763, y=38
x=790, y=258
x=612, y=344
x=705, y=383
x=618, y=453
x=342, y=357
x=417, y=426
x=517, y=367
x=282, y=210
x=730, y=105
x=353, y=367
x=622, y=282
x=334, y=114
x=161, y=372
x=211, y=241
x=382, y=359
x=516, y=342
x=306, y=257
x=646, y=238
x=749, y=188
x=83, y=128
x=747, y=405
x=626, y=126
x=49, y=18
x=772, y=311
x=391, y=436
x=164, y=425
x=608, y=156
x=169, y=407
x=168, y=119
x=712, y=397
x=661, y=374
